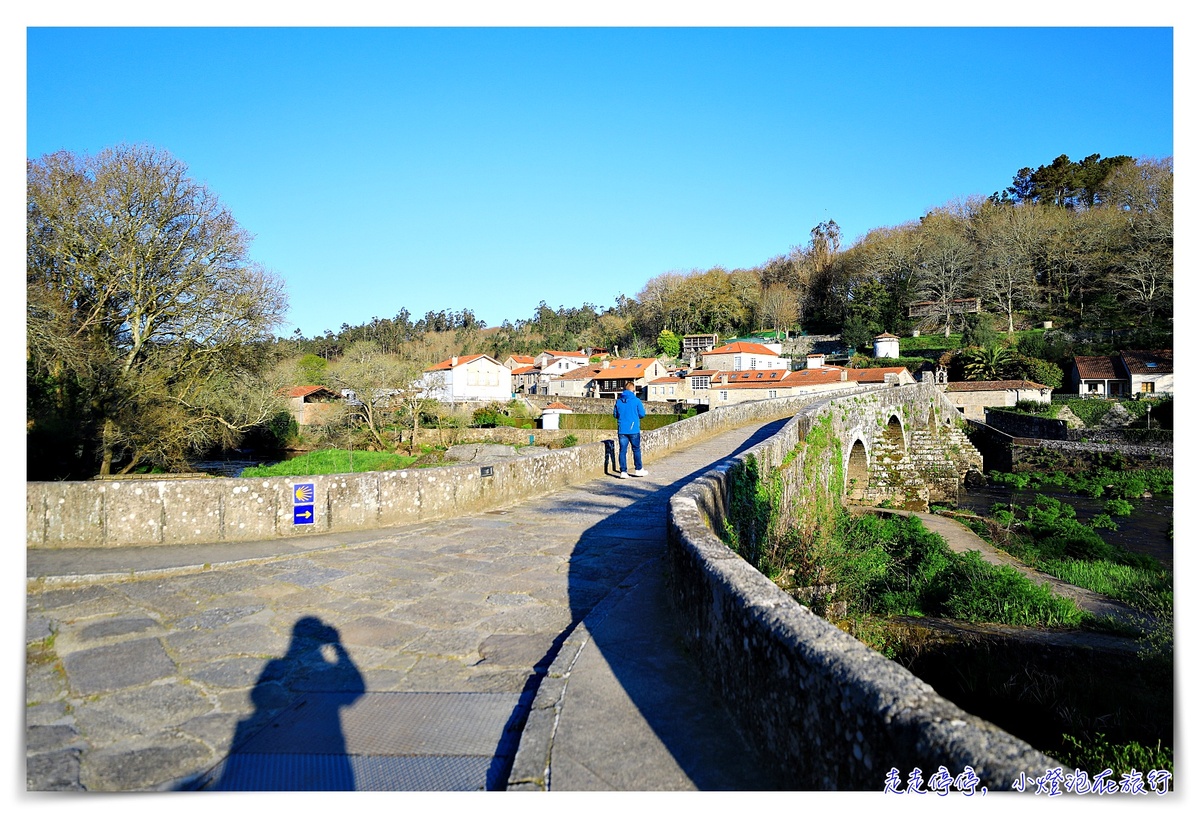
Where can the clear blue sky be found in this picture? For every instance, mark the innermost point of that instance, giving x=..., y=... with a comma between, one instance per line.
x=381, y=168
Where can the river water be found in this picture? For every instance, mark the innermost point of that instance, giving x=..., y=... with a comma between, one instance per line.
x=232, y=465
x=1146, y=531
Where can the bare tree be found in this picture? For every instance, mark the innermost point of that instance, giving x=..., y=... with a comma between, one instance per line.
x=373, y=380
x=945, y=266
x=1007, y=238
x=778, y=306
x=140, y=289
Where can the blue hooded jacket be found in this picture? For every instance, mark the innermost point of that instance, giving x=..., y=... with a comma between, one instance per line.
x=629, y=411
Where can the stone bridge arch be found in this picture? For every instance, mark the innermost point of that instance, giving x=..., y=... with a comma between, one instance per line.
x=903, y=447
x=857, y=471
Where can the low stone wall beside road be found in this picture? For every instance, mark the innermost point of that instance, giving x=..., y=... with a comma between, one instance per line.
x=111, y=513
x=834, y=713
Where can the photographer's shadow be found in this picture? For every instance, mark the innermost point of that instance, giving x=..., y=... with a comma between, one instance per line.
x=303, y=747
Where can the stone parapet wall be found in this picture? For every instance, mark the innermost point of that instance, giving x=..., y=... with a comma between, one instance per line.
x=510, y=435
x=113, y=513
x=831, y=712
x=600, y=406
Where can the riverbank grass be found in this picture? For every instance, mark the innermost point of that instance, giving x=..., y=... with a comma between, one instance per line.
x=332, y=461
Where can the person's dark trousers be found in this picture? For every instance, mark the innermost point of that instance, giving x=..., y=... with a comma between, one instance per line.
x=636, y=442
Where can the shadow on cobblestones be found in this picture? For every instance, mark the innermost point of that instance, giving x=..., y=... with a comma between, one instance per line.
x=315, y=660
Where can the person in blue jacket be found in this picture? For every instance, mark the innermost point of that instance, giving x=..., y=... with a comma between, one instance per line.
x=629, y=412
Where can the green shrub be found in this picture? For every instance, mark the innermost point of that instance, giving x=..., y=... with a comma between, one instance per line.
x=569, y=441
x=1119, y=507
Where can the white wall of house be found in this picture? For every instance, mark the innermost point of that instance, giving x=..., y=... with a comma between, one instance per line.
x=478, y=379
x=744, y=360
x=1153, y=384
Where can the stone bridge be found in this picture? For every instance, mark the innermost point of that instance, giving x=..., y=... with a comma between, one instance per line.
x=903, y=446
x=521, y=633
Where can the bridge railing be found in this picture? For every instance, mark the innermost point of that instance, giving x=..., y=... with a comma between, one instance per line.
x=831, y=712
x=113, y=513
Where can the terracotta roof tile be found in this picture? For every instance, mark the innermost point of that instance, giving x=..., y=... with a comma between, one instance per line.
x=305, y=391
x=874, y=374
x=462, y=359
x=991, y=386
x=1097, y=367
x=743, y=347
x=1149, y=362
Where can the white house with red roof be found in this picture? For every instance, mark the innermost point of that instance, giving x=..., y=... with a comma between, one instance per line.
x=608, y=378
x=741, y=355
x=1133, y=372
x=572, y=360
x=468, y=378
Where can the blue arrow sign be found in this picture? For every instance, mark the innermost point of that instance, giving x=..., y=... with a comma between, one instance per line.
x=302, y=515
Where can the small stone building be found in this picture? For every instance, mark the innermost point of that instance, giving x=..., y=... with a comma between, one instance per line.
x=972, y=397
x=311, y=405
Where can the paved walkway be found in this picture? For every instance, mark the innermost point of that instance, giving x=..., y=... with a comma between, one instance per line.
x=404, y=658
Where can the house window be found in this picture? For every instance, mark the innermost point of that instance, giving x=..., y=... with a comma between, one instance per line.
x=672, y=390
x=753, y=363
x=1147, y=387
x=724, y=395
x=1093, y=387
x=771, y=393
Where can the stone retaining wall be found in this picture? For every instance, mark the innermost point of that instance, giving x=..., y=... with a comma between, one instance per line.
x=1004, y=452
x=113, y=513
x=832, y=712
x=1032, y=426
x=601, y=406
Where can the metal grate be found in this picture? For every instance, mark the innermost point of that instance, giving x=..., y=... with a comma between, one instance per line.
x=378, y=741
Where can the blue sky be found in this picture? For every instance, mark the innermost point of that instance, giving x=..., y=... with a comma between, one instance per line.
x=492, y=168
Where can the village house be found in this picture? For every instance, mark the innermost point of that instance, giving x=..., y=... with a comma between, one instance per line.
x=881, y=376
x=742, y=355
x=311, y=405
x=671, y=389
x=616, y=373
x=526, y=380
x=571, y=360
x=1134, y=372
x=515, y=362
x=972, y=397
x=468, y=378
x=578, y=383
x=696, y=344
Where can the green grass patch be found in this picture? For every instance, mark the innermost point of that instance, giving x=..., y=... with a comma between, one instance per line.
x=332, y=461
x=1129, y=484
x=892, y=565
x=1096, y=753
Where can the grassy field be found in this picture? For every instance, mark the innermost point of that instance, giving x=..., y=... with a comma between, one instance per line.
x=331, y=461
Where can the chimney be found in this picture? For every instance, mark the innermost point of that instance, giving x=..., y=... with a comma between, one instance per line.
x=453, y=360
x=604, y=364
x=843, y=375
